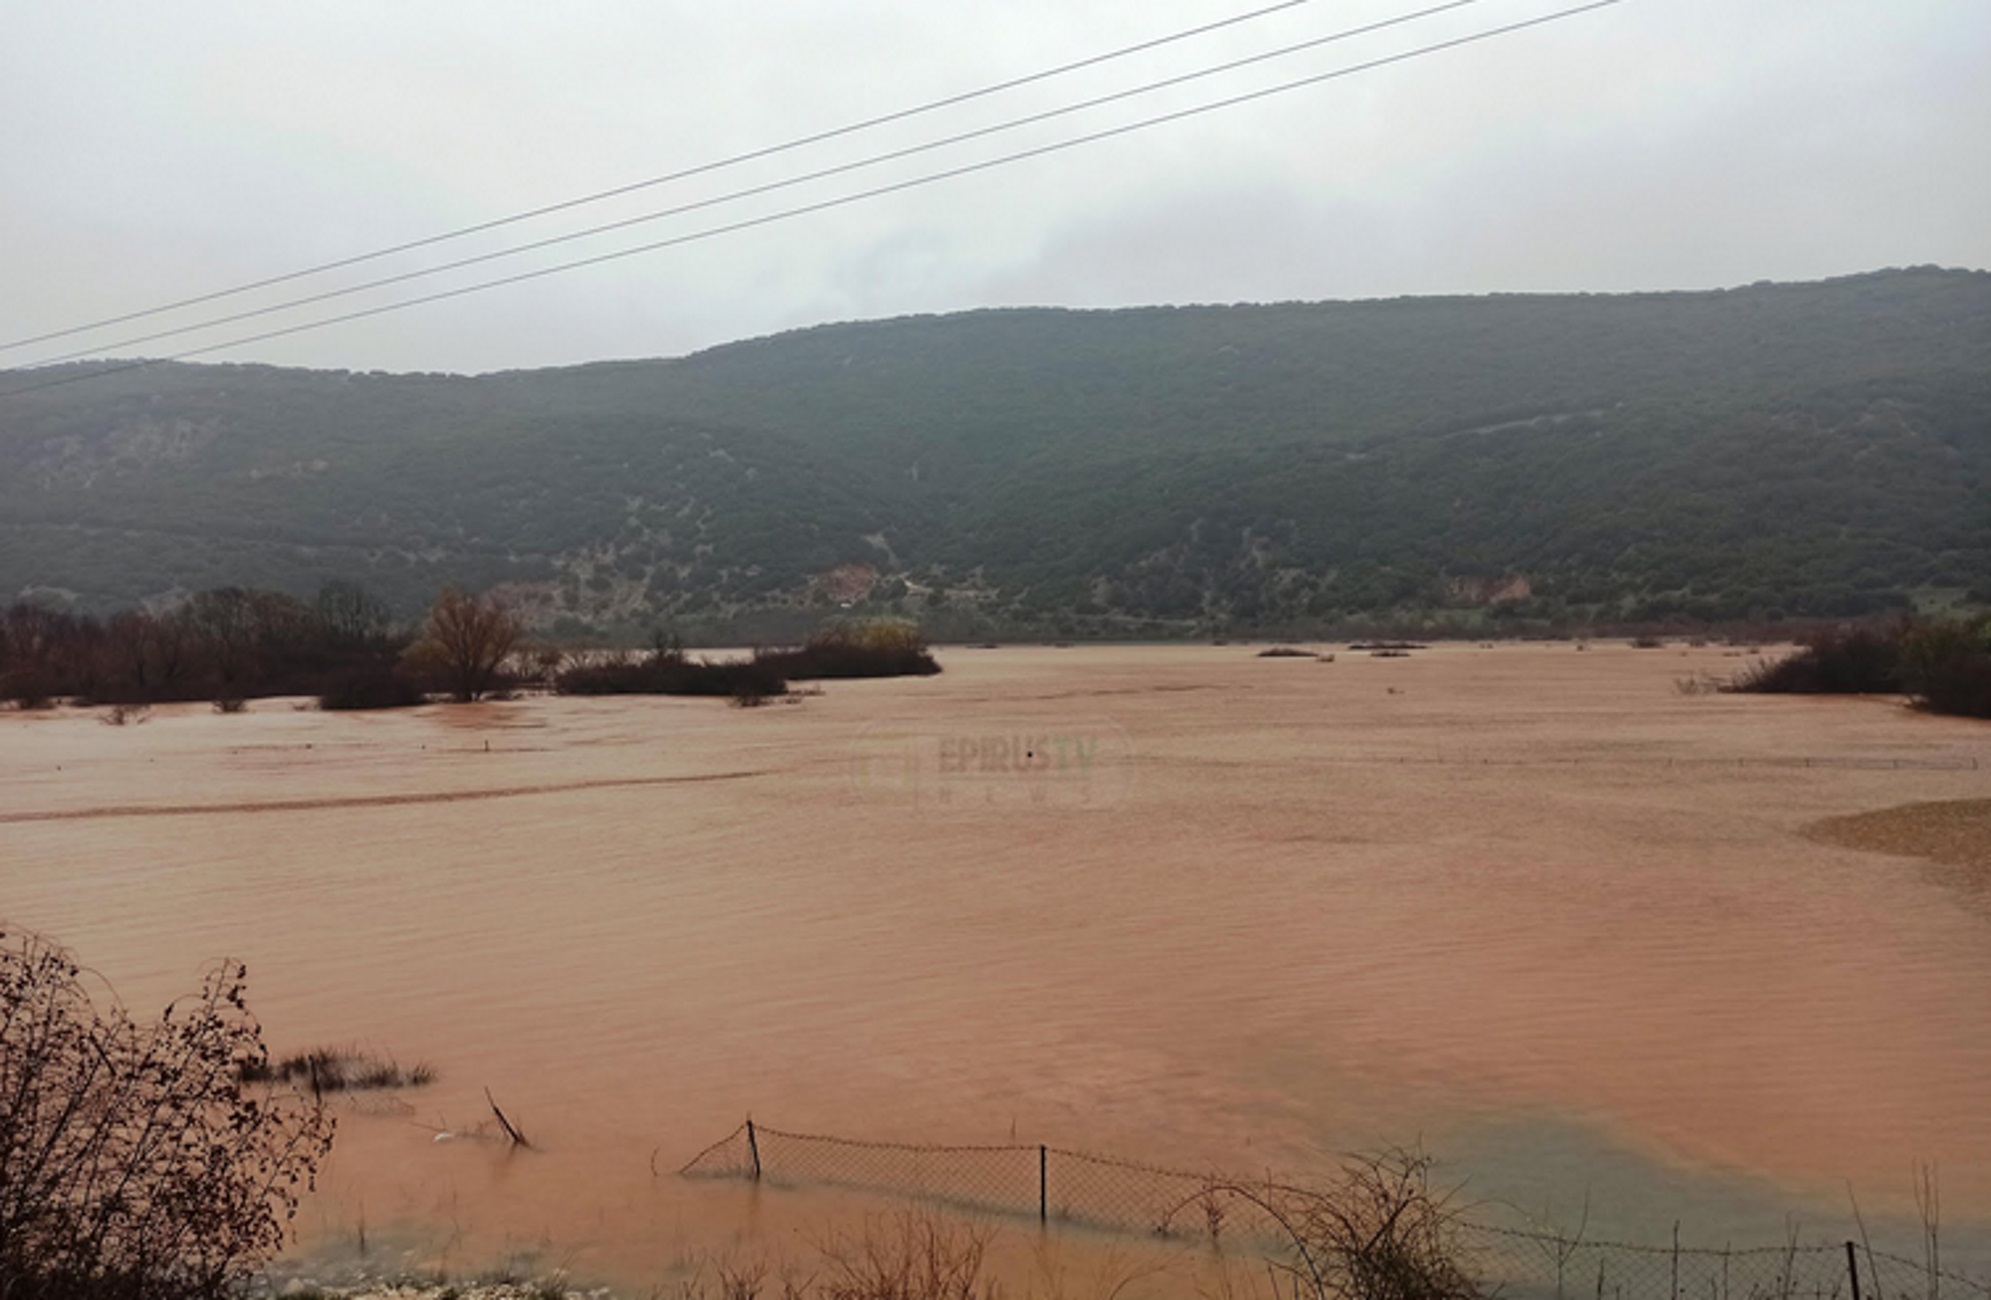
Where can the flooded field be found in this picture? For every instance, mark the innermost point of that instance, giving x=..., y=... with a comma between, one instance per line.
x=1578, y=932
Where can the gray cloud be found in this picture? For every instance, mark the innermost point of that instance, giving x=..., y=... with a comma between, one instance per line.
x=158, y=151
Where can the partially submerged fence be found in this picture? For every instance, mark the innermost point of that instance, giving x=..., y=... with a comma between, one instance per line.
x=1056, y=1185
x=1831, y=762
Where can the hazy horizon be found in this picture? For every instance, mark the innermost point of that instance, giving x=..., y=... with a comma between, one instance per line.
x=748, y=339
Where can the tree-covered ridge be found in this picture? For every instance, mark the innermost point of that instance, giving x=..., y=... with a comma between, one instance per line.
x=1811, y=449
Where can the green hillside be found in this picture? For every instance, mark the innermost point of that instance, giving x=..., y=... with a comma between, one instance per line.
x=1808, y=449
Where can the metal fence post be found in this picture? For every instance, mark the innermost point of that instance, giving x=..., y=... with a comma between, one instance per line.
x=1044, y=1185
x=753, y=1146
x=1853, y=1269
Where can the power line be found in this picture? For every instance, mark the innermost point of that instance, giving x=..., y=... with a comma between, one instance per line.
x=756, y=190
x=701, y=169
x=840, y=201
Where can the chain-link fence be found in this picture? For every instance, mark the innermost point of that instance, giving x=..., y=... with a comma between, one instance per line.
x=1052, y=1184
x=1466, y=757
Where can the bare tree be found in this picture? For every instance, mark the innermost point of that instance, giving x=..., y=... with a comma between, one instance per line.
x=46, y=652
x=224, y=626
x=464, y=641
x=352, y=617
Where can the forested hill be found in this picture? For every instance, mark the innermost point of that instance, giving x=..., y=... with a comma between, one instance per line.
x=1809, y=449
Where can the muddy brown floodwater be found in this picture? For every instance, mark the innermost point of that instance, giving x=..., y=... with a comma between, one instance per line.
x=1531, y=905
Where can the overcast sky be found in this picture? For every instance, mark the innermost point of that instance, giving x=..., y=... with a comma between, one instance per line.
x=157, y=151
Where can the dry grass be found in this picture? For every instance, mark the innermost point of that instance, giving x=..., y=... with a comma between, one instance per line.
x=921, y=1254
x=908, y=1257
x=913, y=1255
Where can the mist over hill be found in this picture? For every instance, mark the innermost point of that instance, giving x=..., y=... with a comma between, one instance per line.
x=1813, y=449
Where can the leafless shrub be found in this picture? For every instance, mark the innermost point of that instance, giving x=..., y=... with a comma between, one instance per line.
x=121, y=715
x=134, y=1160
x=230, y=704
x=910, y=1257
x=1378, y=1232
x=741, y=1281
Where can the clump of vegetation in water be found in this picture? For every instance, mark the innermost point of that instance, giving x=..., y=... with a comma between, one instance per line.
x=228, y=645
x=667, y=670
x=866, y=648
x=881, y=647
x=1946, y=665
x=1378, y=1229
x=378, y=687
x=1859, y=661
x=1942, y=664
x=336, y=1069
x=136, y=1162
x=463, y=644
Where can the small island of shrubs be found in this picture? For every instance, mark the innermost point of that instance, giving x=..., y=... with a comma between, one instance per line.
x=1942, y=665
x=873, y=648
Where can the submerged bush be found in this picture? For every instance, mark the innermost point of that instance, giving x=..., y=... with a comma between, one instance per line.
x=333, y=1069
x=860, y=648
x=1378, y=1231
x=134, y=1159
x=1862, y=661
x=1946, y=666
x=371, y=688
x=1943, y=664
x=670, y=672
